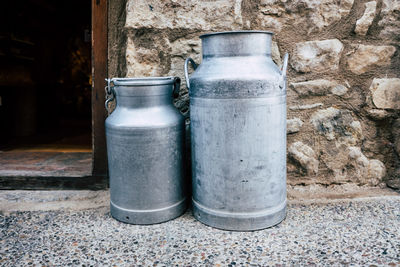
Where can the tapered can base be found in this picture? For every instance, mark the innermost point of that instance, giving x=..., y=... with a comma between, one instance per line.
x=148, y=216
x=239, y=221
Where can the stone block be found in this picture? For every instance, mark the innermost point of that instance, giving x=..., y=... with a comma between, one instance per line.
x=304, y=156
x=365, y=57
x=294, y=125
x=363, y=24
x=317, y=56
x=315, y=15
x=275, y=54
x=340, y=89
x=307, y=106
x=378, y=114
x=337, y=124
x=180, y=50
x=366, y=171
x=345, y=7
x=396, y=135
x=390, y=21
x=318, y=88
x=386, y=93
x=186, y=47
x=192, y=15
x=142, y=62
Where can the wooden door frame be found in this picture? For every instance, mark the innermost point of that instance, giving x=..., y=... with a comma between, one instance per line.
x=99, y=176
x=99, y=74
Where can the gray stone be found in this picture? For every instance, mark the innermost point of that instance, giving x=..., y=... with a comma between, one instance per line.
x=378, y=114
x=363, y=24
x=386, y=93
x=318, y=88
x=305, y=156
x=272, y=7
x=180, y=50
x=337, y=124
x=271, y=15
x=376, y=172
x=312, y=88
x=142, y=62
x=184, y=48
x=182, y=102
x=390, y=21
x=314, y=14
x=369, y=172
x=396, y=135
x=323, y=121
x=275, y=54
x=394, y=183
x=294, y=125
x=35, y=200
x=364, y=57
x=358, y=157
x=339, y=90
x=193, y=15
x=272, y=23
x=345, y=7
x=317, y=56
x=348, y=164
x=305, y=107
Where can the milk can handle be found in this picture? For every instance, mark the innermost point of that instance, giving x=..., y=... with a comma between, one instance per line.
x=284, y=65
x=110, y=94
x=194, y=65
x=283, y=71
x=177, y=86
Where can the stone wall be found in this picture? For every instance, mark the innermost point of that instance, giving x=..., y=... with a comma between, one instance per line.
x=343, y=79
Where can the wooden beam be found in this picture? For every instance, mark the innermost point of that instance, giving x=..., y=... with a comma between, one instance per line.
x=52, y=182
x=99, y=74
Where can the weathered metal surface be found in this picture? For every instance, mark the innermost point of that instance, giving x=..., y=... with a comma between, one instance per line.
x=145, y=144
x=238, y=132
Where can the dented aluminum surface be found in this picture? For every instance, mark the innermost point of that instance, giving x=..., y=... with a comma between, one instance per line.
x=145, y=145
x=238, y=132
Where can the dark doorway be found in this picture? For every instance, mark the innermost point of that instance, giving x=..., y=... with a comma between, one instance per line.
x=45, y=88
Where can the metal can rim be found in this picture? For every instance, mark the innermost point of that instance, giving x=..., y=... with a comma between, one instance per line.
x=143, y=81
x=234, y=32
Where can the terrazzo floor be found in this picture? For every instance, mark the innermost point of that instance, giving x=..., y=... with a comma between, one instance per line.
x=349, y=232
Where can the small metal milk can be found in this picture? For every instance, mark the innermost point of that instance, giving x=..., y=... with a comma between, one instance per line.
x=238, y=132
x=145, y=146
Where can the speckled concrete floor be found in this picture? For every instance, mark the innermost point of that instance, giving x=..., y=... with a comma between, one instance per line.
x=354, y=232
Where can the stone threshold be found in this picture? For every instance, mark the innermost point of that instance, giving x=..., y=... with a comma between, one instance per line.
x=27, y=200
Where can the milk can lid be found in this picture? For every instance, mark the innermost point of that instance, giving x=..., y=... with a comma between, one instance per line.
x=143, y=81
x=233, y=32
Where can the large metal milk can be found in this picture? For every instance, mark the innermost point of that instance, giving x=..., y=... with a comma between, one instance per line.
x=238, y=132
x=145, y=146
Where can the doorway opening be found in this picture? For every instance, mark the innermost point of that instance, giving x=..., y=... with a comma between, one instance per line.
x=45, y=88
